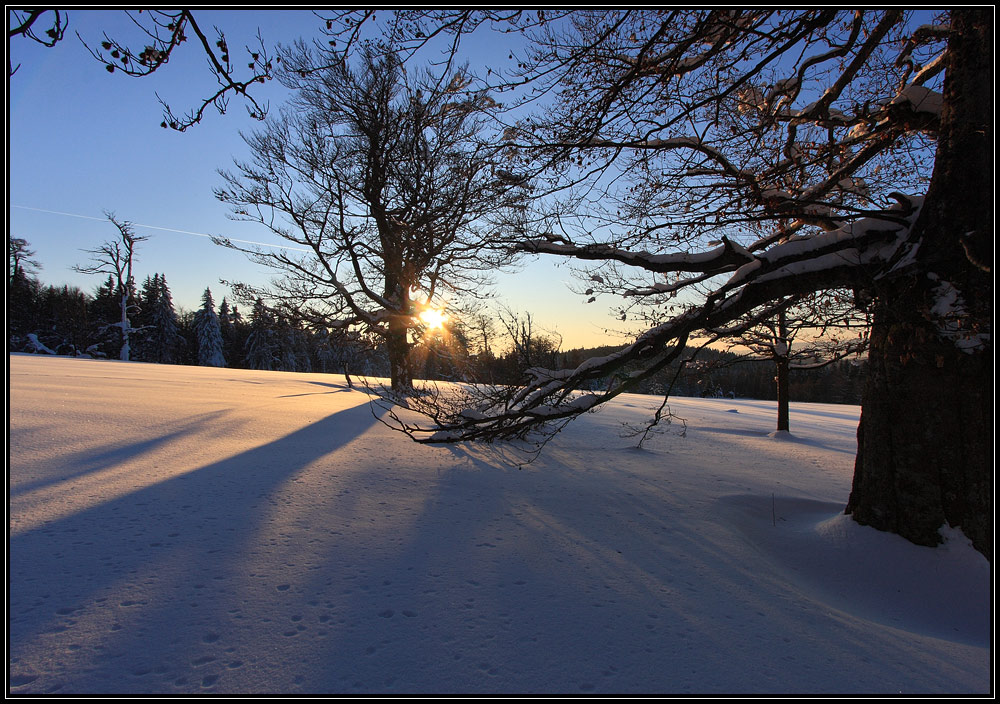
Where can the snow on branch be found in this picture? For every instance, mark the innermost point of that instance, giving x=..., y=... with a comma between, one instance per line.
x=549, y=398
x=728, y=255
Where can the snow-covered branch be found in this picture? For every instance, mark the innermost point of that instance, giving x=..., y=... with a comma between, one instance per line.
x=824, y=261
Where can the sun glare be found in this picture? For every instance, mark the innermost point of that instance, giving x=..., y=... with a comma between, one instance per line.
x=433, y=318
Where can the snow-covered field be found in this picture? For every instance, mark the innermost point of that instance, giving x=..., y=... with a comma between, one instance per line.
x=186, y=529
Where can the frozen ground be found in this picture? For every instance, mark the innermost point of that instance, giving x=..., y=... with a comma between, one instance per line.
x=186, y=529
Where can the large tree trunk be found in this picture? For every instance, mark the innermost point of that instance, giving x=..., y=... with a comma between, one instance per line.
x=397, y=339
x=398, y=347
x=924, y=443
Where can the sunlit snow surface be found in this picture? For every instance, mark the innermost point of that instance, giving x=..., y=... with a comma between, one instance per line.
x=184, y=529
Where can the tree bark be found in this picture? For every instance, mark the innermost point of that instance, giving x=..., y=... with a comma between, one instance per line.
x=782, y=371
x=924, y=448
x=781, y=379
x=398, y=347
x=126, y=325
x=397, y=290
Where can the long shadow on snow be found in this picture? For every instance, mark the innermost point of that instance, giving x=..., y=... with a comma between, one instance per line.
x=87, y=461
x=410, y=612
x=337, y=388
x=544, y=581
x=510, y=581
x=791, y=437
x=102, y=571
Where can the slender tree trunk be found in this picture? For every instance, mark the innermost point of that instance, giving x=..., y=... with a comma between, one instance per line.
x=924, y=442
x=781, y=370
x=781, y=364
x=126, y=327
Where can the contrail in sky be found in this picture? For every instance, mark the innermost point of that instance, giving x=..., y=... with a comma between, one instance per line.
x=165, y=229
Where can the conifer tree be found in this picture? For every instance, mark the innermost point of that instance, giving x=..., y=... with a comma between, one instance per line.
x=261, y=346
x=234, y=334
x=165, y=335
x=22, y=287
x=209, y=334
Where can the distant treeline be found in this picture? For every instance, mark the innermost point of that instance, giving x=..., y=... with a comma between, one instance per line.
x=67, y=321
x=721, y=374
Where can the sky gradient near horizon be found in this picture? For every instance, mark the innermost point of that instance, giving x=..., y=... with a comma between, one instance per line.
x=82, y=142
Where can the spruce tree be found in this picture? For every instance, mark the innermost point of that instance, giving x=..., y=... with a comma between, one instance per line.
x=165, y=337
x=262, y=347
x=234, y=334
x=23, y=288
x=209, y=334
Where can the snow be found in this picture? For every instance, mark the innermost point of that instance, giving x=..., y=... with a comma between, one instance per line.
x=37, y=345
x=921, y=98
x=950, y=311
x=200, y=530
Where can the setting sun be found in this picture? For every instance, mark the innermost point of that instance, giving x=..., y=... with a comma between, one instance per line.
x=433, y=318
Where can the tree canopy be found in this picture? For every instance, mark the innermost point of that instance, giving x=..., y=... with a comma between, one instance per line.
x=761, y=156
x=378, y=177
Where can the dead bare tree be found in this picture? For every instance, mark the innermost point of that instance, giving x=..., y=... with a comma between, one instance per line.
x=116, y=258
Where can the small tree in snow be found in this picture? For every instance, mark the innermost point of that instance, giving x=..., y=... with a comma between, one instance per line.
x=811, y=333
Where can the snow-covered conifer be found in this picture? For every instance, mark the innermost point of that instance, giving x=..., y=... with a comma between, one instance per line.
x=165, y=337
x=209, y=334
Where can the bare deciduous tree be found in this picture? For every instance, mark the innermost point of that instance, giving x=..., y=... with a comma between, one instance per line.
x=812, y=332
x=116, y=258
x=160, y=32
x=803, y=142
x=379, y=178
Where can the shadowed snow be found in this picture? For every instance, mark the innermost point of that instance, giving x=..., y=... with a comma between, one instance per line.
x=193, y=530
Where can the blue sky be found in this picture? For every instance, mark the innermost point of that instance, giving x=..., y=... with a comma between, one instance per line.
x=83, y=141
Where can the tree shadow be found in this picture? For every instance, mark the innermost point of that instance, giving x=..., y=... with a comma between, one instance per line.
x=393, y=568
x=359, y=388
x=106, y=584
x=75, y=465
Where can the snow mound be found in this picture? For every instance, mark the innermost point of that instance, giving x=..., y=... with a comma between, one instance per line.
x=870, y=574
